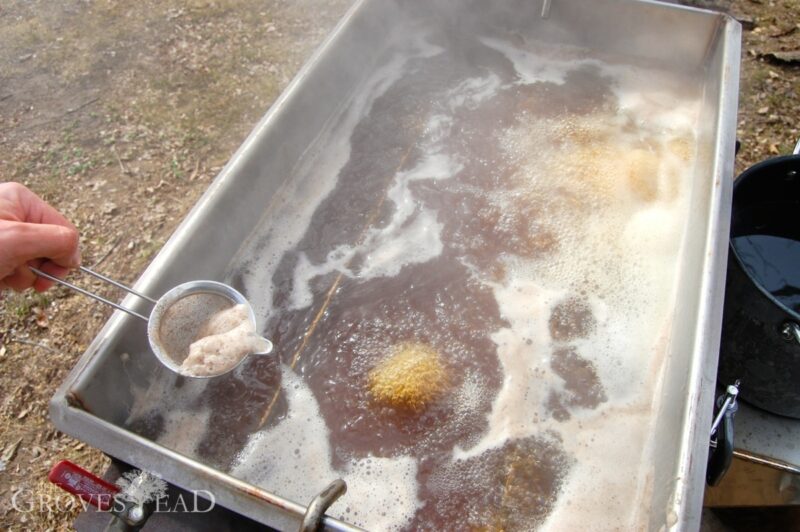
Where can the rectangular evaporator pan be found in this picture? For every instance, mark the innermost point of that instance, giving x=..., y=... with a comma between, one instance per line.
x=96, y=399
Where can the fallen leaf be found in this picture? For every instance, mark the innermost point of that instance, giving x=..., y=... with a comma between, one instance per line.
x=10, y=451
x=110, y=208
x=40, y=317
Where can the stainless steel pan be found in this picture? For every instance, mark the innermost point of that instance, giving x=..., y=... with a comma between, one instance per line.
x=96, y=399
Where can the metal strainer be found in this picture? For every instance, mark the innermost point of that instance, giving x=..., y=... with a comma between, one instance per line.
x=209, y=298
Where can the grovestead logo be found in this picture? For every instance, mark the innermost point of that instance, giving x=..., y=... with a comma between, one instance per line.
x=140, y=487
x=139, y=493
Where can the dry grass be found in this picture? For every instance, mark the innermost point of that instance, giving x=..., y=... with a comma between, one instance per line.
x=119, y=113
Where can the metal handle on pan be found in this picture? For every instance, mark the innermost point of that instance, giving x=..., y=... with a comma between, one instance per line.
x=312, y=521
x=94, y=296
x=790, y=331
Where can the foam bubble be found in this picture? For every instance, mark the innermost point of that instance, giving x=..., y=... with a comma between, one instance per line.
x=184, y=420
x=472, y=92
x=530, y=66
x=183, y=430
x=296, y=455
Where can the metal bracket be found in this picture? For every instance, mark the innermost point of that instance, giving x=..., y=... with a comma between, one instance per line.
x=131, y=517
x=729, y=403
x=721, y=454
x=315, y=512
x=790, y=331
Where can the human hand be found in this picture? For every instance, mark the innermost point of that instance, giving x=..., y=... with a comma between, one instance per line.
x=32, y=233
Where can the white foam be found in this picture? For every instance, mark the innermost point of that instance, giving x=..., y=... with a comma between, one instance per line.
x=653, y=105
x=183, y=430
x=388, y=256
x=184, y=422
x=471, y=92
x=317, y=174
x=651, y=98
x=532, y=67
x=219, y=353
x=295, y=455
x=412, y=236
x=621, y=253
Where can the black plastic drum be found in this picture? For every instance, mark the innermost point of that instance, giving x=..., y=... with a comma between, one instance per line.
x=761, y=322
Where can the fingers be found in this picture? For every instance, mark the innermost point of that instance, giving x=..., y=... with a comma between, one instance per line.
x=32, y=233
x=41, y=284
x=34, y=208
x=23, y=278
x=20, y=279
x=29, y=241
x=30, y=208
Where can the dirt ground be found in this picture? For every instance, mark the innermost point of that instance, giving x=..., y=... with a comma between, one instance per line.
x=121, y=113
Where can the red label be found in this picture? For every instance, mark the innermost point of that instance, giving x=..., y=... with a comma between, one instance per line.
x=85, y=485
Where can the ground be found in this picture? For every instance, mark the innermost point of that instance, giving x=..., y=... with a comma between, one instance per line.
x=121, y=113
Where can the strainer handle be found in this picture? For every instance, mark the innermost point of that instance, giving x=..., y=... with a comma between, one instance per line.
x=117, y=284
x=95, y=296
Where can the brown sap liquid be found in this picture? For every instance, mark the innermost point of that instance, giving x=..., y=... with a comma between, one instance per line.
x=505, y=222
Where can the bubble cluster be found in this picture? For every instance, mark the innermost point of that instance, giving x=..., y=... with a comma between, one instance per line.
x=296, y=456
x=524, y=477
x=410, y=378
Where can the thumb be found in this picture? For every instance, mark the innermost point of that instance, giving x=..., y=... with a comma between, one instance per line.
x=34, y=241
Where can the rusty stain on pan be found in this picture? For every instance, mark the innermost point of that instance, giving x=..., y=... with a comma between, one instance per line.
x=74, y=400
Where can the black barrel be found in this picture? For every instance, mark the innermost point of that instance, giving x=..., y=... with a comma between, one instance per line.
x=761, y=324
